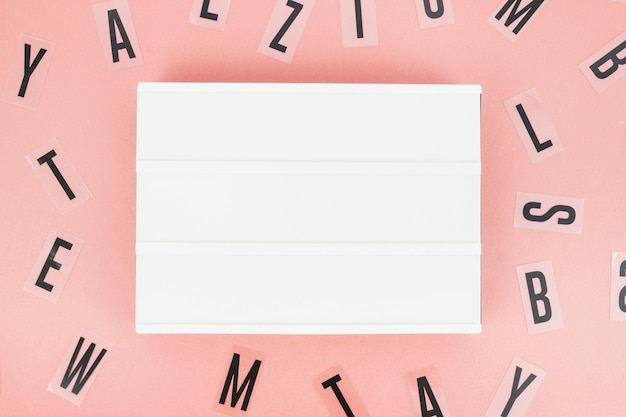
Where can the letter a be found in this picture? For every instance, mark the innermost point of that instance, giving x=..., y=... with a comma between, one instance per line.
x=425, y=391
x=117, y=33
x=114, y=20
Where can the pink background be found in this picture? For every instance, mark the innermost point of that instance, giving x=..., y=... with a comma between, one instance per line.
x=90, y=109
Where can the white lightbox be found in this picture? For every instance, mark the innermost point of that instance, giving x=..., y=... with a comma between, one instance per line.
x=308, y=208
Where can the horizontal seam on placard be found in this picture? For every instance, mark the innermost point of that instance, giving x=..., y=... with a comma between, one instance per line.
x=312, y=88
x=366, y=249
x=310, y=168
x=267, y=328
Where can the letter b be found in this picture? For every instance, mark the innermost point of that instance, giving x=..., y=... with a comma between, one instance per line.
x=536, y=297
x=611, y=57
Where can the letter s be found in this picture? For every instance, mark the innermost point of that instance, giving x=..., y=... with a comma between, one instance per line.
x=551, y=212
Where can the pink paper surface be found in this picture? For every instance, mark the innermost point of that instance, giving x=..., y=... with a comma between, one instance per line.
x=80, y=366
x=284, y=29
x=358, y=23
x=432, y=13
x=539, y=297
x=533, y=125
x=606, y=66
x=54, y=265
x=517, y=390
x=92, y=112
x=25, y=82
x=549, y=212
x=338, y=394
x=117, y=34
x=211, y=14
x=59, y=177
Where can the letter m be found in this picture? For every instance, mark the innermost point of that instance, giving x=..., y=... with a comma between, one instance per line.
x=247, y=385
x=78, y=371
x=524, y=14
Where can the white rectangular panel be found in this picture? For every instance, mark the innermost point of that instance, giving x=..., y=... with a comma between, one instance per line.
x=308, y=122
x=308, y=208
x=301, y=293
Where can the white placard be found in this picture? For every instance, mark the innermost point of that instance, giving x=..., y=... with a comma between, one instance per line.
x=308, y=208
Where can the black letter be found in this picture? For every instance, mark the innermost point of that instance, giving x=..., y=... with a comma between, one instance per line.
x=622, y=293
x=541, y=295
x=622, y=297
x=615, y=62
x=51, y=263
x=515, y=391
x=359, y=18
x=424, y=388
x=80, y=368
x=529, y=10
x=548, y=215
x=29, y=68
x=332, y=383
x=232, y=377
x=539, y=146
x=114, y=19
x=204, y=13
x=429, y=12
x=297, y=8
x=47, y=158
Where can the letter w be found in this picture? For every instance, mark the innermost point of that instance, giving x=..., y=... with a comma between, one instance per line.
x=526, y=13
x=82, y=377
x=248, y=382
